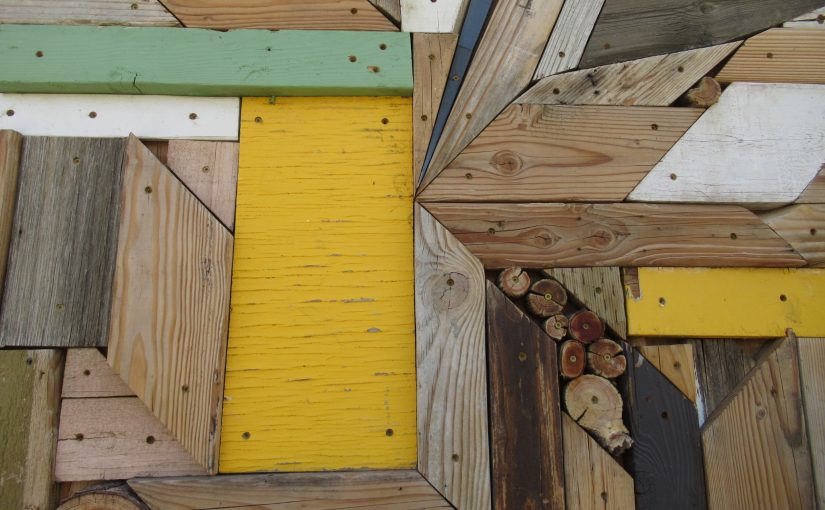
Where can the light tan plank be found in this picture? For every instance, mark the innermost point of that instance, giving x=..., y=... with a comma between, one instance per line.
x=10, y=146
x=812, y=367
x=210, y=171
x=803, y=227
x=537, y=153
x=676, y=362
x=569, y=37
x=167, y=336
x=599, y=289
x=651, y=81
x=114, y=439
x=502, y=65
x=390, y=8
x=779, y=55
x=87, y=375
x=815, y=191
x=583, y=235
x=135, y=13
x=453, y=451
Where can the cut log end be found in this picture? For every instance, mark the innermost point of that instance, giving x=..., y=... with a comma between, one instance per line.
x=556, y=327
x=546, y=298
x=704, y=95
x=571, y=359
x=597, y=406
x=514, y=282
x=586, y=327
x=606, y=358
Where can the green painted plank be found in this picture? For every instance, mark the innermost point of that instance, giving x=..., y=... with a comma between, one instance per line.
x=196, y=62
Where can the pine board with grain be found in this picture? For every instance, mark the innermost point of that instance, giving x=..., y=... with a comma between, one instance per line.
x=674, y=361
x=390, y=8
x=815, y=191
x=812, y=373
x=566, y=44
x=10, y=148
x=779, y=55
x=133, y=13
x=444, y=16
x=599, y=289
x=87, y=375
x=803, y=226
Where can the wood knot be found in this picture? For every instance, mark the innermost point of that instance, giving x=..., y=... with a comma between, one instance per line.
x=507, y=162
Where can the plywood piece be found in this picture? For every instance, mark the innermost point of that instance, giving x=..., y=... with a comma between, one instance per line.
x=503, y=64
x=599, y=289
x=210, y=171
x=593, y=479
x=114, y=439
x=711, y=303
x=676, y=362
x=134, y=13
x=64, y=230
x=29, y=399
x=540, y=153
x=779, y=56
x=745, y=149
x=525, y=415
x=803, y=226
x=88, y=376
x=10, y=147
x=650, y=81
x=453, y=445
x=390, y=8
x=811, y=363
x=631, y=29
x=815, y=192
x=756, y=447
x=566, y=44
x=117, y=116
x=169, y=61
x=322, y=323
x=584, y=235
x=280, y=15
x=444, y=16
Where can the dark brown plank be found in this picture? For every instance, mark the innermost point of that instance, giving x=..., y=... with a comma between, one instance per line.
x=61, y=262
x=524, y=409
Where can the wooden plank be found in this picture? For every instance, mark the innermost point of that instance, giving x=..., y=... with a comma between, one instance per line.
x=503, y=65
x=167, y=336
x=712, y=303
x=322, y=323
x=745, y=150
x=453, y=445
x=566, y=44
x=650, y=81
x=756, y=449
x=114, y=439
x=369, y=490
x=444, y=16
x=811, y=363
x=593, y=479
x=676, y=362
x=599, y=289
x=390, y=8
x=169, y=61
x=525, y=415
x=117, y=116
x=631, y=29
x=779, y=56
x=432, y=55
x=815, y=192
x=10, y=148
x=803, y=226
x=134, y=13
x=280, y=15
x=65, y=225
x=210, y=171
x=543, y=153
x=666, y=457
x=584, y=235
x=88, y=376
x=29, y=399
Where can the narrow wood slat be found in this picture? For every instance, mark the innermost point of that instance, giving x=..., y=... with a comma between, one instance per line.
x=631, y=29
x=815, y=191
x=569, y=37
x=10, y=147
x=779, y=56
x=280, y=15
x=650, y=81
x=65, y=229
x=543, y=153
x=803, y=226
x=583, y=235
x=674, y=361
x=88, y=376
x=599, y=289
x=525, y=415
x=453, y=445
x=390, y=8
x=444, y=16
x=135, y=13
x=812, y=373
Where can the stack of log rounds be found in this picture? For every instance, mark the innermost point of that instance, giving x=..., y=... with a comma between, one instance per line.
x=546, y=298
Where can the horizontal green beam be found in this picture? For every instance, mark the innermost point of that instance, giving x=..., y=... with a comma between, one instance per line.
x=196, y=62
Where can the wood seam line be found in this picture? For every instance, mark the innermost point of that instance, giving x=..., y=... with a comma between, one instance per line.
x=386, y=14
x=780, y=236
x=163, y=3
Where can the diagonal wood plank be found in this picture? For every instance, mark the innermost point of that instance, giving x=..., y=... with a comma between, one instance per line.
x=779, y=56
x=566, y=44
x=811, y=363
x=453, y=445
x=87, y=375
x=803, y=226
x=599, y=289
x=815, y=191
x=443, y=16
x=134, y=13
x=390, y=8
x=674, y=361
x=10, y=147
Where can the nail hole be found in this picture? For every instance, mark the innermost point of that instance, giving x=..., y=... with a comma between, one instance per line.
x=185, y=388
x=522, y=356
x=769, y=55
x=604, y=496
x=432, y=57
x=76, y=160
x=205, y=169
x=783, y=297
x=596, y=92
x=607, y=46
x=813, y=231
x=353, y=58
x=468, y=176
x=556, y=91
x=10, y=113
x=455, y=457
x=469, y=115
x=456, y=77
x=134, y=7
x=38, y=54
x=594, y=399
x=677, y=365
x=573, y=358
x=491, y=231
x=389, y=432
x=354, y=10
x=680, y=69
x=147, y=189
x=59, y=306
x=87, y=372
x=29, y=361
x=258, y=120
x=382, y=46
x=246, y=435
x=654, y=127
x=665, y=416
x=673, y=177
x=662, y=301
x=193, y=116
x=450, y=282
x=92, y=115
x=733, y=236
x=78, y=437
x=561, y=54
x=150, y=439
x=385, y=121
x=373, y=69
x=424, y=118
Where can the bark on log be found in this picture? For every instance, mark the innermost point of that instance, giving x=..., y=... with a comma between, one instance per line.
x=597, y=406
x=606, y=358
x=546, y=298
x=703, y=95
x=514, y=282
x=571, y=359
x=585, y=326
x=556, y=327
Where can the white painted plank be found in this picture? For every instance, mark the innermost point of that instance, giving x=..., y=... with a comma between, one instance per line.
x=136, y=13
x=114, y=116
x=443, y=16
x=569, y=37
x=813, y=19
x=760, y=145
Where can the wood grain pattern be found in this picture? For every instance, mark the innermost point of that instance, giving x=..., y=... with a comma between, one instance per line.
x=167, y=335
x=502, y=66
x=444, y=16
x=599, y=289
x=650, y=81
x=280, y=15
x=779, y=56
x=566, y=44
x=815, y=191
x=756, y=447
x=593, y=479
x=631, y=29
x=812, y=373
x=813, y=19
x=803, y=226
x=543, y=153
x=525, y=416
x=666, y=458
x=29, y=400
x=10, y=148
x=322, y=329
x=368, y=490
x=676, y=362
x=61, y=263
x=135, y=13
x=87, y=375
x=390, y=8
x=451, y=369
x=582, y=235
x=210, y=171
x=114, y=439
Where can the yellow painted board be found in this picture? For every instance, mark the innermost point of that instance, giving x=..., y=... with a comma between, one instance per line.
x=709, y=303
x=320, y=368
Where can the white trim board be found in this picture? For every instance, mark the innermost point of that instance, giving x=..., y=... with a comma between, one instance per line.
x=115, y=116
x=443, y=16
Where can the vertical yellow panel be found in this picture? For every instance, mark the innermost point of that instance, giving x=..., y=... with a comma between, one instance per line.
x=321, y=362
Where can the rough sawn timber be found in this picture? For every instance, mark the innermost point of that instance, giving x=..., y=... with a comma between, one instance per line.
x=599, y=289
x=87, y=375
x=134, y=13
x=779, y=55
x=11, y=144
x=812, y=371
x=569, y=37
x=803, y=226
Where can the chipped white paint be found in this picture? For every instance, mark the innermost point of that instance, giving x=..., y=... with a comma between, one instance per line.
x=443, y=16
